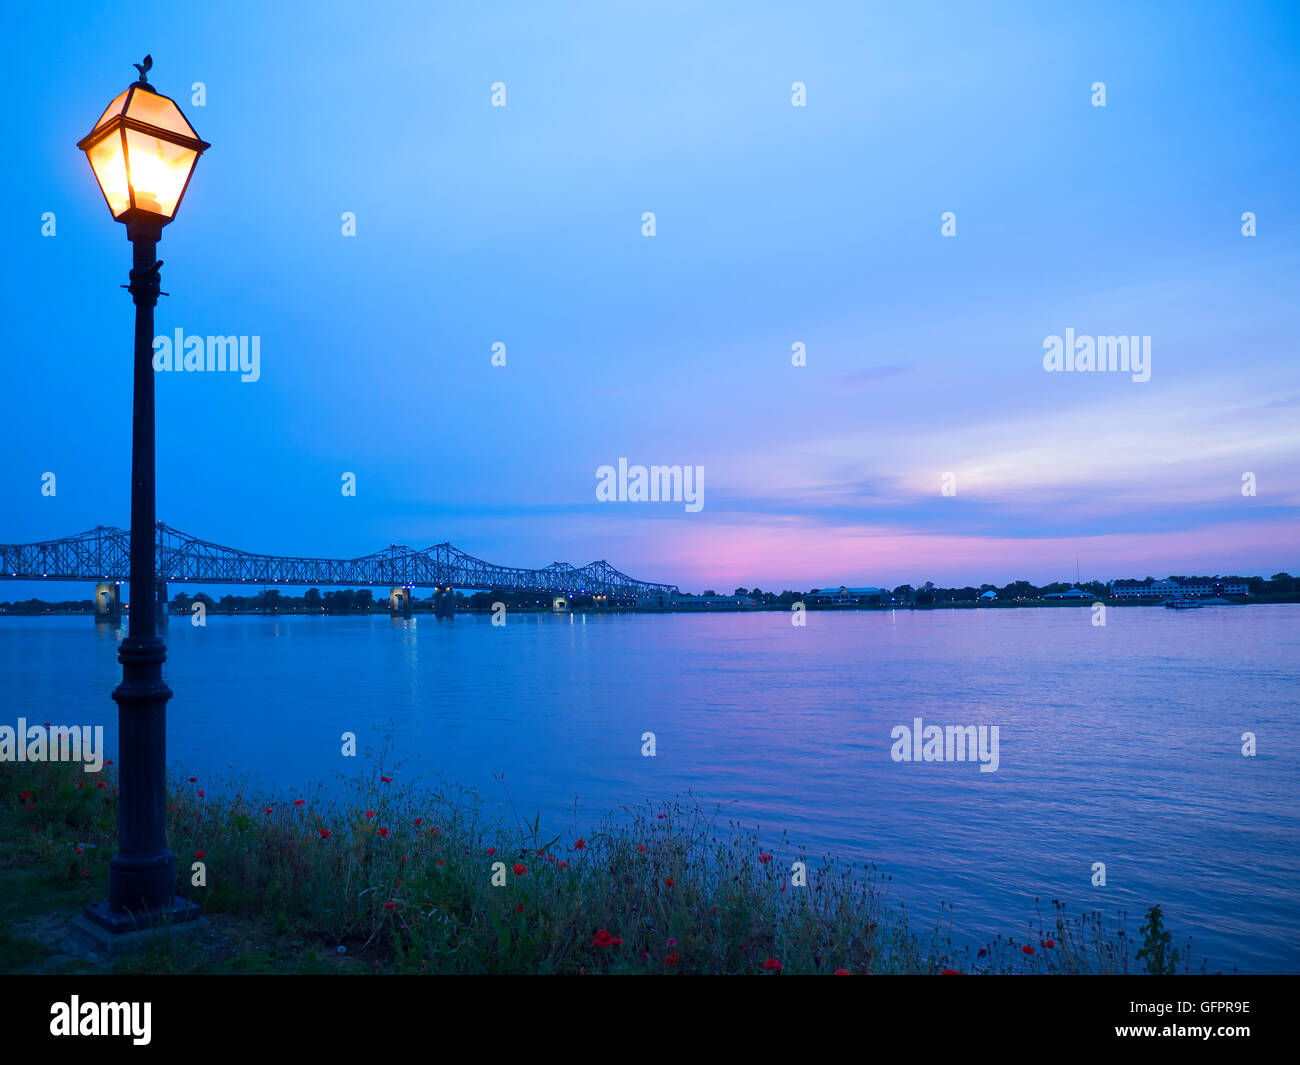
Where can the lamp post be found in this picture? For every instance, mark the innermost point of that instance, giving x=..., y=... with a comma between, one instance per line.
x=142, y=152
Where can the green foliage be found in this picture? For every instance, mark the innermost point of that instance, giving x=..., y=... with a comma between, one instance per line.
x=1160, y=959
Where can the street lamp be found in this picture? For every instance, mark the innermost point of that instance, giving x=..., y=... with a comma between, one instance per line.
x=142, y=151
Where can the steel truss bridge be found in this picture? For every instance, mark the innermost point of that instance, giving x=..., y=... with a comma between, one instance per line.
x=104, y=554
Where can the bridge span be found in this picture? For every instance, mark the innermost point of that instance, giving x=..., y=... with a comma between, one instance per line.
x=103, y=554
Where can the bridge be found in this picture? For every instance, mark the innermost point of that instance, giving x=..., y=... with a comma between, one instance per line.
x=103, y=554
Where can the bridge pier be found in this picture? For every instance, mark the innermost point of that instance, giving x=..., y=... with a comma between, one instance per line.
x=399, y=601
x=108, y=602
x=444, y=603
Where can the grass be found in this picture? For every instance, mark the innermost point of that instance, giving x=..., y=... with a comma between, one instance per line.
x=400, y=878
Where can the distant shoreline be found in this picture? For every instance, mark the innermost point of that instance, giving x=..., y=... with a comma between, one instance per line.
x=1019, y=604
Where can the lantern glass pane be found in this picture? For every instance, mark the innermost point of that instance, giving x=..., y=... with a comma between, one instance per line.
x=157, y=171
x=109, y=164
x=114, y=109
x=158, y=111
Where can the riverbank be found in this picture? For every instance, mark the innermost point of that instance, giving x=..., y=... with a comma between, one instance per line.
x=401, y=878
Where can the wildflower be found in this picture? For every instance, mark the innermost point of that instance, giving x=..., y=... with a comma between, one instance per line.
x=370, y=813
x=764, y=858
x=324, y=833
x=641, y=848
x=950, y=972
x=85, y=872
x=492, y=850
x=390, y=905
x=772, y=966
x=1026, y=950
x=1050, y=943
x=671, y=958
x=200, y=793
x=419, y=821
x=266, y=810
x=103, y=785
x=563, y=865
x=194, y=780
x=300, y=802
x=80, y=850
x=109, y=762
x=604, y=939
x=386, y=780
x=519, y=908
x=200, y=854
x=982, y=952
x=520, y=870
x=579, y=844
x=841, y=972
x=668, y=881
x=25, y=796
x=383, y=832
x=31, y=806
x=662, y=816
x=672, y=942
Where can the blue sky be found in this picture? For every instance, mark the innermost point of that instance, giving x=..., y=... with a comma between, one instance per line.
x=774, y=225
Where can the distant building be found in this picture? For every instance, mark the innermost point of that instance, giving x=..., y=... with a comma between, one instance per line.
x=1070, y=593
x=1172, y=589
x=988, y=596
x=851, y=596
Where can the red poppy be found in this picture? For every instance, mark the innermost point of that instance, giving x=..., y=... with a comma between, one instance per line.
x=80, y=851
x=604, y=939
x=772, y=966
x=764, y=858
x=662, y=816
x=200, y=854
x=1050, y=943
x=950, y=972
x=563, y=865
x=492, y=850
x=194, y=780
x=109, y=762
x=519, y=908
x=668, y=881
x=579, y=844
x=266, y=810
x=324, y=833
x=200, y=793
x=520, y=870
x=103, y=785
x=370, y=813
x=672, y=958
x=1026, y=950
x=390, y=905
x=25, y=796
x=31, y=806
x=300, y=802
x=419, y=820
x=641, y=848
x=386, y=780
x=672, y=942
x=383, y=832
x=841, y=972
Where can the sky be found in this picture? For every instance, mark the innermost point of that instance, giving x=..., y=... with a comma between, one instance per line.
x=774, y=225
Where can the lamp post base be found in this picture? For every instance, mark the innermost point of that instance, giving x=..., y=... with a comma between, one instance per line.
x=120, y=922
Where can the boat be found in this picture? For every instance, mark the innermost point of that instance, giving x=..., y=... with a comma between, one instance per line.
x=1182, y=604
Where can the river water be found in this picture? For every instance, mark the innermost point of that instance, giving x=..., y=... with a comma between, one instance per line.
x=1119, y=744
